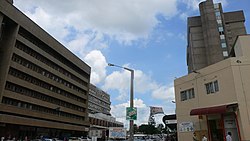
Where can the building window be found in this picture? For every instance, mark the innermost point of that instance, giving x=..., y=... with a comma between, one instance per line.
x=216, y=6
x=223, y=45
x=222, y=37
x=187, y=94
x=212, y=87
x=217, y=14
x=219, y=21
x=218, y=18
x=221, y=29
x=225, y=53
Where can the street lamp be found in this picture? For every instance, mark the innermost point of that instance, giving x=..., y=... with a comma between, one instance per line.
x=131, y=125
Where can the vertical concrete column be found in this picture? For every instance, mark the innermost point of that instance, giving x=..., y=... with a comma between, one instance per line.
x=210, y=32
x=7, y=43
x=1, y=21
x=1, y=52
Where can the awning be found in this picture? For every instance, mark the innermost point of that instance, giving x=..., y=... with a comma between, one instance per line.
x=214, y=110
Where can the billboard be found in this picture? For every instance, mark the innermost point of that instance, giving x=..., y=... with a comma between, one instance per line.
x=186, y=127
x=117, y=133
x=131, y=113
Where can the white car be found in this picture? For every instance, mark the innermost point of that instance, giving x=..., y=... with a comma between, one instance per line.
x=47, y=139
x=85, y=139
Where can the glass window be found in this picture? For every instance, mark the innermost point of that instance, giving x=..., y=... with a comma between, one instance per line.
x=217, y=14
x=221, y=29
x=192, y=95
x=219, y=21
x=183, y=96
x=222, y=36
x=216, y=86
x=216, y=6
x=223, y=45
x=225, y=53
x=218, y=17
x=212, y=87
x=187, y=94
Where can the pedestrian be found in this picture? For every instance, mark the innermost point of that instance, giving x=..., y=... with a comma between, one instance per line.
x=228, y=137
x=2, y=138
x=204, y=138
x=26, y=138
x=194, y=137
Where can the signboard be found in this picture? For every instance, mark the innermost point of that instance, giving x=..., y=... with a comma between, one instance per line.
x=131, y=113
x=186, y=127
x=229, y=122
x=170, y=122
x=117, y=133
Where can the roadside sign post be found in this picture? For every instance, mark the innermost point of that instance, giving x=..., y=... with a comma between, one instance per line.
x=131, y=113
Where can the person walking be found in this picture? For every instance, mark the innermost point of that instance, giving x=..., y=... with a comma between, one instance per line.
x=228, y=137
x=2, y=138
x=195, y=137
x=204, y=138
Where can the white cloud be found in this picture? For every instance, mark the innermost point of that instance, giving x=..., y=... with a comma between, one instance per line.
x=49, y=22
x=143, y=112
x=118, y=80
x=119, y=111
x=164, y=93
x=98, y=64
x=124, y=20
x=184, y=16
x=78, y=45
x=143, y=84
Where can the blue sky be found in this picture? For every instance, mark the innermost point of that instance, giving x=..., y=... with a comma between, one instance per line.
x=148, y=36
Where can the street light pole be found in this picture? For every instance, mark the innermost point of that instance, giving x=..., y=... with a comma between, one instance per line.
x=131, y=127
x=131, y=122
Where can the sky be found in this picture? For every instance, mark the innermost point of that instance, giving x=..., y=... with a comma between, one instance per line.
x=148, y=36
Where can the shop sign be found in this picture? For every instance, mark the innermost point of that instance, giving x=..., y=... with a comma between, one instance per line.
x=186, y=127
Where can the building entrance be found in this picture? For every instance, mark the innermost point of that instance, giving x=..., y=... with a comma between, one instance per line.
x=220, y=125
x=215, y=126
x=230, y=125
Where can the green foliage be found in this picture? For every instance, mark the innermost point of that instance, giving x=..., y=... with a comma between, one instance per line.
x=148, y=129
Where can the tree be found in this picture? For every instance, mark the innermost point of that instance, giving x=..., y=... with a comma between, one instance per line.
x=136, y=129
x=148, y=129
x=160, y=127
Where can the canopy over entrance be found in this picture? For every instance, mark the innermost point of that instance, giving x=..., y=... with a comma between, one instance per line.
x=214, y=110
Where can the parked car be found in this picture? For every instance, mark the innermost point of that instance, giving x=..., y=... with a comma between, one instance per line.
x=85, y=139
x=74, y=139
x=57, y=139
x=47, y=139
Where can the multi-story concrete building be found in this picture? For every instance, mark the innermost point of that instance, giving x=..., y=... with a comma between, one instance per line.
x=99, y=101
x=43, y=86
x=99, y=113
x=212, y=34
x=215, y=100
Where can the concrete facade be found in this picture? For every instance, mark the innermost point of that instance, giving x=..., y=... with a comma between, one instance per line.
x=215, y=100
x=99, y=113
x=212, y=34
x=99, y=101
x=43, y=86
